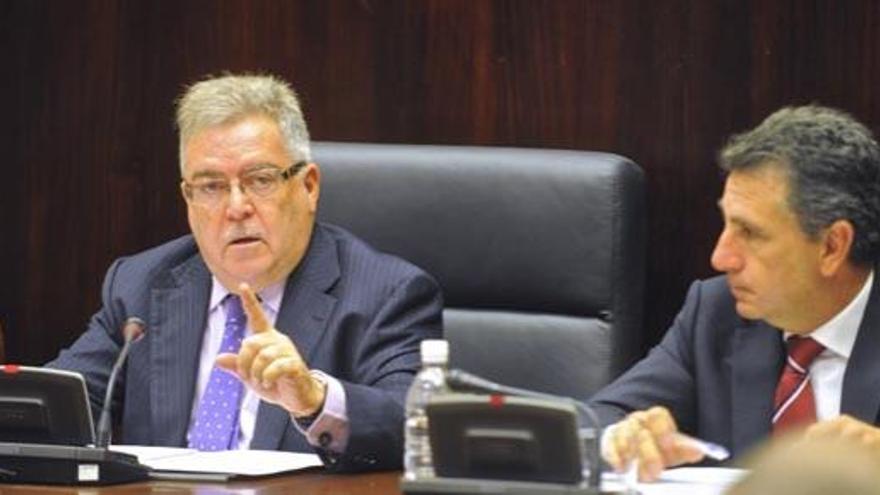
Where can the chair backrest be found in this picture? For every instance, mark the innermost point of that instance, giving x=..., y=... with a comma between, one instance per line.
x=540, y=253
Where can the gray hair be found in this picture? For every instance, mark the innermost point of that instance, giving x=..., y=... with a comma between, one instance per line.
x=221, y=100
x=833, y=165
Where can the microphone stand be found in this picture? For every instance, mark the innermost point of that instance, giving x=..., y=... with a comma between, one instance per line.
x=131, y=330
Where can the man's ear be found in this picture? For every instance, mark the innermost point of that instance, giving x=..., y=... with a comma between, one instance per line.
x=837, y=240
x=312, y=183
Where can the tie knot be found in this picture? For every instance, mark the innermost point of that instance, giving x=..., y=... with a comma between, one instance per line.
x=234, y=311
x=803, y=350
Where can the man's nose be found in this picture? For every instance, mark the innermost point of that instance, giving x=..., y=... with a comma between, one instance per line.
x=726, y=257
x=240, y=204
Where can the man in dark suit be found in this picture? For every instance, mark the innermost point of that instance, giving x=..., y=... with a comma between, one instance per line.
x=789, y=340
x=318, y=333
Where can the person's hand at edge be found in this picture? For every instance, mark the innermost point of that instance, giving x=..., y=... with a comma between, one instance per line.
x=651, y=438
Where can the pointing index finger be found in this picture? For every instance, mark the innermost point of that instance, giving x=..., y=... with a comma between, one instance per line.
x=257, y=319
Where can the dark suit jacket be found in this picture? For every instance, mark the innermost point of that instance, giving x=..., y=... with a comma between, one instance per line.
x=717, y=372
x=352, y=312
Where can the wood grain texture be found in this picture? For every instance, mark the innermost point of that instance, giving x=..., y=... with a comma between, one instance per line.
x=91, y=170
x=300, y=483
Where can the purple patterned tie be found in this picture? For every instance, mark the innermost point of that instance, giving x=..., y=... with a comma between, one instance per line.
x=215, y=426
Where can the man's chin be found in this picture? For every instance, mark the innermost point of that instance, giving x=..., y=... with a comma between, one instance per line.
x=747, y=311
x=232, y=278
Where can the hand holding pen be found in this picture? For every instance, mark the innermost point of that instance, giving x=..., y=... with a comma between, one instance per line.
x=649, y=441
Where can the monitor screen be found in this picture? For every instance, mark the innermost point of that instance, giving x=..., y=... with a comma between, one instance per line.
x=505, y=438
x=41, y=405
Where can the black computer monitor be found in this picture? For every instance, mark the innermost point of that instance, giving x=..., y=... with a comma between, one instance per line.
x=41, y=405
x=505, y=438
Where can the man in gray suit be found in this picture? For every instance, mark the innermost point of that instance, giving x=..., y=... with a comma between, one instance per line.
x=265, y=328
x=789, y=340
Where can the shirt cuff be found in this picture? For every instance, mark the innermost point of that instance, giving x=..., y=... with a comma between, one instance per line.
x=605, y=439
x=329, y=430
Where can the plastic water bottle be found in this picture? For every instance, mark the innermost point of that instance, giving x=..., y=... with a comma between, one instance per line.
x=429, y=382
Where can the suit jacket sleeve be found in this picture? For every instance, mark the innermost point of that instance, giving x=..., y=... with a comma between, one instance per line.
x=385, y=362
x=664, y=377
x=95, y=351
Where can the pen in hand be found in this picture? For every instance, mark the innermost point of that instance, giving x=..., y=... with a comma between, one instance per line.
x=709, y=449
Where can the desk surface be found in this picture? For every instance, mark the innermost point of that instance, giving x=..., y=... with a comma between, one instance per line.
x=299, y=483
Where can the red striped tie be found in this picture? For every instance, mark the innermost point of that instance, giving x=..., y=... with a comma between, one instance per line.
x=794, y=403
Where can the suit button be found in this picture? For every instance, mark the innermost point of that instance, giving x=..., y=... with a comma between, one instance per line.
x=324, y=439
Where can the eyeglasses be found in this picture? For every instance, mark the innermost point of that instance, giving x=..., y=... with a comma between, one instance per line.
x=259, y=183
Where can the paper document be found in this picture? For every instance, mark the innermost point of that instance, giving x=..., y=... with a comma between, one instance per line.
x=685, y=481
x=226, y=462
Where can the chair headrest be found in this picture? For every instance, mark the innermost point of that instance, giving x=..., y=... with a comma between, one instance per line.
x=532, y=229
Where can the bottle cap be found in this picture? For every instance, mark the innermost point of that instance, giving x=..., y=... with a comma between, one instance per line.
x=435, y=351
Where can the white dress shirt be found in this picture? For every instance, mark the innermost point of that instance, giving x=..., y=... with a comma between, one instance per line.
x=838, y=335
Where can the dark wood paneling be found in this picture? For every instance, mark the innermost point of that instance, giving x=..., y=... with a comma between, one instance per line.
x=91, y=154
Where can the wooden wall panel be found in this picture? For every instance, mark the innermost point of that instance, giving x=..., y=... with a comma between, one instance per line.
x=90, y=169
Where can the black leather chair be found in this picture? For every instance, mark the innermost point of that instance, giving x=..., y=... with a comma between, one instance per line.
x=540, y=253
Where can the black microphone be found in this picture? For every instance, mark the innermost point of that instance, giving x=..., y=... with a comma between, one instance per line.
x=132, y=329
x=462, y=379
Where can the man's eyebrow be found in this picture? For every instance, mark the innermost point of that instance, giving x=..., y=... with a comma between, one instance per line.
x=734, y=219
x=260, y=166
x=214, y=174
x=209, y=174
x=744, y=223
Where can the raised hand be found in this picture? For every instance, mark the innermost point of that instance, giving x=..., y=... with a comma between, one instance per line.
x=269, y=364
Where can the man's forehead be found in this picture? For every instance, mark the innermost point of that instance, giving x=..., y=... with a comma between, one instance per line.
x=246, y=143
x=239, y=132
x=757, y=197
x=757, y=184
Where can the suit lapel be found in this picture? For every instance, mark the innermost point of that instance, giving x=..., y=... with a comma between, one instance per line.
x=176, y=328
x=861, y=396
x=305, y=309
x=756, y=360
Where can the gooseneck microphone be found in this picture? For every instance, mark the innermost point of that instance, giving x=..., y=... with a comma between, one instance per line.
x=132, y=329
x=462, y=379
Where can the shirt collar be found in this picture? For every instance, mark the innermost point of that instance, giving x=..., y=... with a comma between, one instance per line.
x=270, y=297
x=839, y=333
